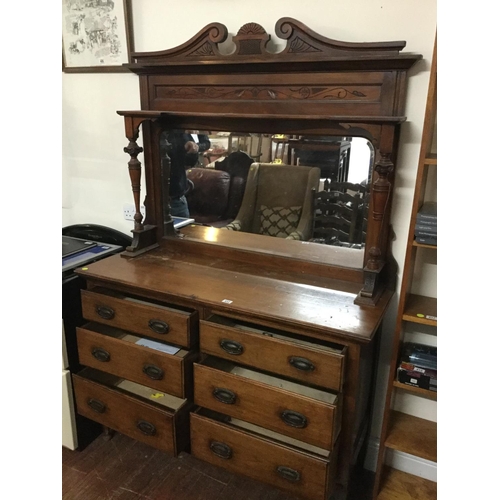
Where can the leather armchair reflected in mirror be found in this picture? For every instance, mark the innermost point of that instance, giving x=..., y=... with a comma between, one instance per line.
x=217, y=190
x=278, y=201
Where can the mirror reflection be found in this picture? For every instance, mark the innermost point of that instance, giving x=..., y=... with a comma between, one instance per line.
x=308, y=188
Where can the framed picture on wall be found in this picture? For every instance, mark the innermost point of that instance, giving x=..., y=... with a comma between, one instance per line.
x=97, y=35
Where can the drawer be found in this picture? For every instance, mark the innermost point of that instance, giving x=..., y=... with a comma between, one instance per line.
x=262, y=455
x=167, y=323
x=139, y=412
x=117, y=352
x=301, y=412
x=317, y=363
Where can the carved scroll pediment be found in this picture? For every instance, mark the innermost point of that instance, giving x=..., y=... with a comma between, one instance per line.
x=251, y=42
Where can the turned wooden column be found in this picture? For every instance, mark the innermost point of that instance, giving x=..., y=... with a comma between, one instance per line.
x=144, y=237
x=134, y=170
x=379, y=200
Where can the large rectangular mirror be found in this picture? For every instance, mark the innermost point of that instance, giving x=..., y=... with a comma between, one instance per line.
x=311, y=188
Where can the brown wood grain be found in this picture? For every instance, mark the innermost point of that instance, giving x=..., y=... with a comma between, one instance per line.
x=274, y=355
x=129, y=360
x=412, y=435
x=259, y=458
x=122, y=413
x=323, y=311
x=262, y=405
x=135, y=317
x=398, y=485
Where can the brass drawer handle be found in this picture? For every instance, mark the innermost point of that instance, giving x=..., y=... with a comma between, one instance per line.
x=294, y=419
x=222, y=450
x=232, y=347
x=105, y=312
x=101, y=354
x=224, y=396
x=146, y=428
x=153, y=372
x=158, y=326
x=96, y=405
x=301, y=364
x=288, y=474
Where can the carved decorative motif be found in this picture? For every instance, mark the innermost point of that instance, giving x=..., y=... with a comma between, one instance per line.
x=203, y=51
x=262, y=93
x=299, y=45
x=252, y=29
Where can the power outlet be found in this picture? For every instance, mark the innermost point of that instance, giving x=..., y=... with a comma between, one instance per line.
x=129, y=211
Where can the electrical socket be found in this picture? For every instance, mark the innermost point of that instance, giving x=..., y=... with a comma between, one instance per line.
x=129, y=211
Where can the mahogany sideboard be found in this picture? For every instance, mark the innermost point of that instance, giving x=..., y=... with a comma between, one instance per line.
x=253, y=353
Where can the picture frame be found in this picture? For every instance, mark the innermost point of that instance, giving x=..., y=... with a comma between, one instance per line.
x=97, y=36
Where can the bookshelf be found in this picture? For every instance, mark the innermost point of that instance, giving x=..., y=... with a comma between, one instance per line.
x=403, y=432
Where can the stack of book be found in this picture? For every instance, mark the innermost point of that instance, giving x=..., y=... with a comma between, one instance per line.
x=426, y=224
x=418, y=366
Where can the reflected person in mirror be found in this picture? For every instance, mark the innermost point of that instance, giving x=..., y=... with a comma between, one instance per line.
x=183, y=148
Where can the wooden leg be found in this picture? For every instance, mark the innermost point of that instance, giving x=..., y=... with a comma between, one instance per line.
x=108, y=433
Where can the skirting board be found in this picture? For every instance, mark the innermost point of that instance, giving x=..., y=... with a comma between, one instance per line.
x=401, y=461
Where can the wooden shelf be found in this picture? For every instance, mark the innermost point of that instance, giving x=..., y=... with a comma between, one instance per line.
x=398, y=485
x=416, y=390
x=412, y=435
x=420, y=309
x=431, y=159
x=422, y=245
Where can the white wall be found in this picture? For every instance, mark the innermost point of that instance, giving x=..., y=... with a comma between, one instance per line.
x=94, y=166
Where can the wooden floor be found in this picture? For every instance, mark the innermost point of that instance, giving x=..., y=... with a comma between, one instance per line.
x=121, y=468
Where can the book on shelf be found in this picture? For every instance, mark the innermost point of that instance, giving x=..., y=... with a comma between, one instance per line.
x=421, y=355
x=424, y=234
x=426, y=240
x=416, y=378
x=427, y=213
x=426, y=228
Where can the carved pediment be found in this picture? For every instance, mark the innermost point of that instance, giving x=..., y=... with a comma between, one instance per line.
x=251, y=40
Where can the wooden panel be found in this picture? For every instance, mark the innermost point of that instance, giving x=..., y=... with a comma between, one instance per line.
x=315, y=366
x=133, y=362
x=123, y=413
x=263, y=405
x=412, y=435
x=416, y=390
x=259, y=458
x=398, y=485
x=283, y=301
x=135, y=316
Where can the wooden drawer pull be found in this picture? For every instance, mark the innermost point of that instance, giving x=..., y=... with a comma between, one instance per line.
x=302, y=364
x=232, y=347
x=146, y=428
x=224, y=396
x=105, y=312
x=153, y=372
x=101, y=354
x=158, y=326
x=222, y=450
x=294, y=419
x=96, y=405
x=288, y=474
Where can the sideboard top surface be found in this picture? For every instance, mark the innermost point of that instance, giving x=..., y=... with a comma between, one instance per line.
x=323, y=306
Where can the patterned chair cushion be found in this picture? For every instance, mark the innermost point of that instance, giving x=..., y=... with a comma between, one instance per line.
x=279, y=221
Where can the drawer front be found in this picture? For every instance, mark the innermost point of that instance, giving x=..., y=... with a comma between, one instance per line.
x=279, y=356
x=143, y=365
x=125, y=414
x=270, y=407
x=150, y=320
x=256, y=457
